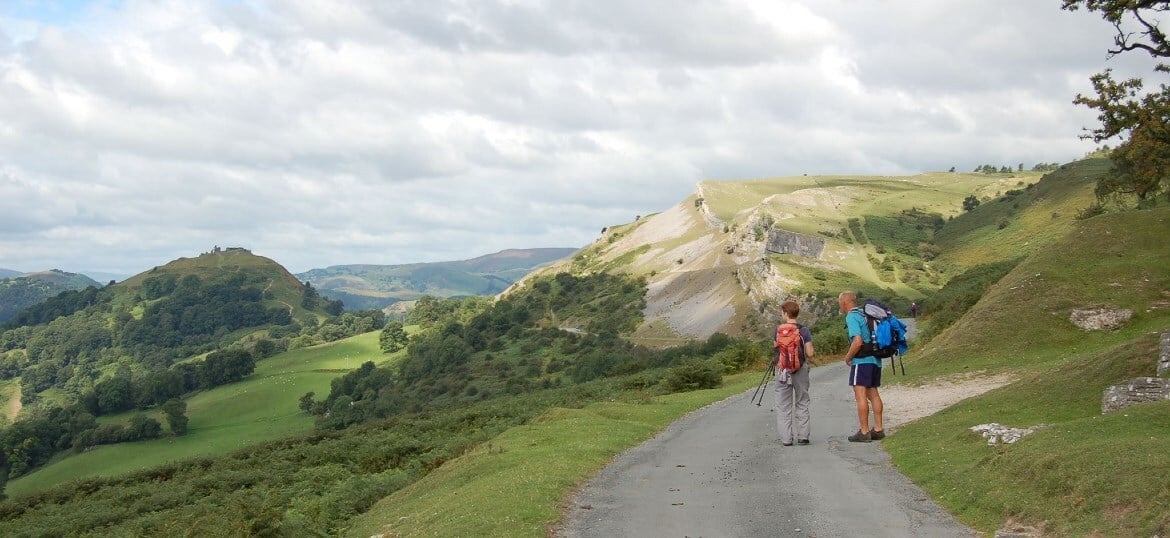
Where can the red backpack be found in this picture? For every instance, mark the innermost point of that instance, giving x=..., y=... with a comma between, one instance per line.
x=789, y=347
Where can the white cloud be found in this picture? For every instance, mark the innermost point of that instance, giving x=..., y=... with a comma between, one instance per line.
x=328, y=132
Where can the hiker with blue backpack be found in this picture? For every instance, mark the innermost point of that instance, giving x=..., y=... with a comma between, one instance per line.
x=865, y=369
x=794, y=349
x=874, y=334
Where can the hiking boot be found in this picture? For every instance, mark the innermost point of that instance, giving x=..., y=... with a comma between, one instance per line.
x=802, y=441
x=877, y=435
x=786, y=444
x=859, y=437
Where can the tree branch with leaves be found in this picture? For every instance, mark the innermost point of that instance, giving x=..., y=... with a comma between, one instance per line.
x=1142, y=160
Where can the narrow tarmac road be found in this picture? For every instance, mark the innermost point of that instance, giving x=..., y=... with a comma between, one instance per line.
x=722, y=472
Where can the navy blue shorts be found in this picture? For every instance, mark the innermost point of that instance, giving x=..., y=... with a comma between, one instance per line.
x=865, y=375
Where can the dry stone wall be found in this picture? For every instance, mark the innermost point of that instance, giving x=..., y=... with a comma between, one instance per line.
x=1137, y=390
x=1141, y=389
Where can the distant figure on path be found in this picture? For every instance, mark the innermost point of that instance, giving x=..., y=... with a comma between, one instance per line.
x=792, y=396
x=914, y=309
x=865, y=371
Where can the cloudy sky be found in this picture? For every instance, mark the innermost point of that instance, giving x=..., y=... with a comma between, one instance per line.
x=325, y=132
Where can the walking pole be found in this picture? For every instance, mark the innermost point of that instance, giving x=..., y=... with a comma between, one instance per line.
x=771, y=370
x=763, y=382
x=771, y=374
x=900, y=363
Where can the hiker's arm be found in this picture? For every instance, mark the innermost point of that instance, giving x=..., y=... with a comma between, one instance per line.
x=854, y=347
x=808, y=352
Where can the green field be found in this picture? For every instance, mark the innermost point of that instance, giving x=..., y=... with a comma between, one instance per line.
x=261, y=408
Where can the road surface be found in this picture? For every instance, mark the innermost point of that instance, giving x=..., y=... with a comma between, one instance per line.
x=722, y=472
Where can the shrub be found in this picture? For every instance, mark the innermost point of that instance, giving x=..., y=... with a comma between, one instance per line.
x=829, y=336
x=694, y=375
x=1092, y=211
x=735, y=359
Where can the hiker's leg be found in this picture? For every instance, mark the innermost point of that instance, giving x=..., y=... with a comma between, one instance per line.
x=800, y=384
x=784, y=411
x=875, y=398
x=875, y=403
x=862, y=407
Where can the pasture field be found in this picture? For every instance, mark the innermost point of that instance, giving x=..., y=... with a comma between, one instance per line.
x=261, y=408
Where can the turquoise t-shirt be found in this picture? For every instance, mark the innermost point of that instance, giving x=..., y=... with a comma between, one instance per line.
x=855, y=325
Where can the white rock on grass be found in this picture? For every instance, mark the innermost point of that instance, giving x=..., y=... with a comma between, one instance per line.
x=998, y=433
x=1098, y=319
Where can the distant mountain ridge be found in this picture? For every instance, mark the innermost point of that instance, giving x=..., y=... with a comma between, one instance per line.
x=22, y=290
x=363, y=286
x=8, y=273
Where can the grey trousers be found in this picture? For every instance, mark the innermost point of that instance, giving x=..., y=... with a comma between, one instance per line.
x=792, y=407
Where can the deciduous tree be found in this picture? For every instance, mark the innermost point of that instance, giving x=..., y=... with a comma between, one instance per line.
x=393, y=337
x=176, y=410
x=1142, y=119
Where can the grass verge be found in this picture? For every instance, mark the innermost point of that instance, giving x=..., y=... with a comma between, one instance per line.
x=1082, y=474
x=516, y=484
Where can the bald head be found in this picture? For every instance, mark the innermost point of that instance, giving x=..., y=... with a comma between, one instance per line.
x=847, y=300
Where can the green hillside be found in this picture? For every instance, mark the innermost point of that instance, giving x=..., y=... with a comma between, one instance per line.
x=1021, y=218
x=378, y=286
x=188, y=307
x=258, y=409
x=470, y=374
x=72, y=362
x=488, y=393
x=19, y=291
x=710, y=266
x=279, y=287
x=1083, y=473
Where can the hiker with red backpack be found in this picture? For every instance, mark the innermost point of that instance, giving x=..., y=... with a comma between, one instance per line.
x=794, y=348
x=865, y=370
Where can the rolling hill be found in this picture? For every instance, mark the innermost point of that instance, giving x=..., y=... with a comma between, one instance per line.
x=504, y=373
x=378, y=286
x=22, y=290
x=722, y=259
x=65, y=346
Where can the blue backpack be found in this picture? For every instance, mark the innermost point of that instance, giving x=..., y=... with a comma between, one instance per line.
x=887, y=333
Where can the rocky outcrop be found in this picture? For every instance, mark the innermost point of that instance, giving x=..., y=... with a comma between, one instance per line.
x=1137, y=390
x=786, y=242
x=1097, y=319
x=713, y=222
